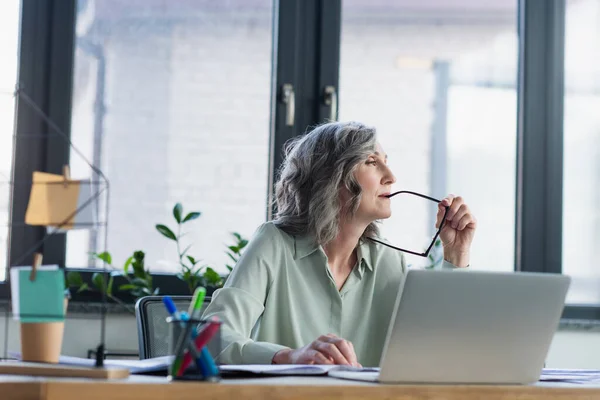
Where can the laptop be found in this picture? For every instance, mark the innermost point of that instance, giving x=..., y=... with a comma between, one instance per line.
x=469, y=327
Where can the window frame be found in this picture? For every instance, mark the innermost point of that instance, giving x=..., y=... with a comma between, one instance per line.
x=45, y=74
x=540, y=150
x=306, y=53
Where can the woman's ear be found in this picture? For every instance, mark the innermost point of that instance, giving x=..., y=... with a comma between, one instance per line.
x=344, y=195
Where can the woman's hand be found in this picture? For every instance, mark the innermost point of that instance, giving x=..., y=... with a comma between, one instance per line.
x=327, y=349
x=458, y=230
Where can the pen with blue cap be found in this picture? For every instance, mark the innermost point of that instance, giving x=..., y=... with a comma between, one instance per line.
x=203, y=368
x=183, y=337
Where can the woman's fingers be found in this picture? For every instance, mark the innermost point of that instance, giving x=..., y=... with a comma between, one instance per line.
x=347, y=350
x=341, y=347
x=454, y=207
x=462, y=211
x=316, y=357
x=331, y=350
x=466, y=220
x=446, y=202
x=327, y=349
x=356, y=363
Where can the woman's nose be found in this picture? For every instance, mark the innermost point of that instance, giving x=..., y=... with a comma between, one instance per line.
x=388, y=177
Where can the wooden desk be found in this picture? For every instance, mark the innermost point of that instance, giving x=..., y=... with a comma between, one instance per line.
x=151, y=388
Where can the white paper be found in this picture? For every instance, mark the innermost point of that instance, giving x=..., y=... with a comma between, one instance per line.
x=134, y=366
x=293, y=369
x=570, y=375
x=283, y=369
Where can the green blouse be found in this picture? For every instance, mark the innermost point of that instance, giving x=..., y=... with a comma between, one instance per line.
x=281, y=294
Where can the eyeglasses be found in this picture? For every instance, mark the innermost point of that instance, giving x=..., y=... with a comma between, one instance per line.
x=416, y=253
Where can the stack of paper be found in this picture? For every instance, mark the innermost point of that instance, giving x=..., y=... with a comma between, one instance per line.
x=156, y=364
x=575, y=376
x=260, y=369
x=570, y=375
x=41, y=299
x=290, y=370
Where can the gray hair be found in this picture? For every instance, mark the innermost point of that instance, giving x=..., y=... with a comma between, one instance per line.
x=314, y=169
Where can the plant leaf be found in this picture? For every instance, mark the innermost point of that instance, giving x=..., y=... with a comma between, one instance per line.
x=191, y=216
x=83, y=287
x=235, y=249
x=127, y=286
x=140, y=282
x=74, y=279
x=212, y=276
x=127, y=264
x=177, y=210
x=166, y=232
x=98, y=281
x=229, y=267
x=192, y=260
x=110, y=286
x=138, y=271
x=242, y=244
x=104, y=256
x=186, y=250
x=198, y=270
x=156, y=291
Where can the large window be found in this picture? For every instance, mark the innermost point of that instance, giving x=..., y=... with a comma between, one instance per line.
x=9, y=40
x=172, y=102
x=439, y=84
x=581, y=191
x=192, y=102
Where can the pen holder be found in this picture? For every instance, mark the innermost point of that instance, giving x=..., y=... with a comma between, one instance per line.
x=195, y=344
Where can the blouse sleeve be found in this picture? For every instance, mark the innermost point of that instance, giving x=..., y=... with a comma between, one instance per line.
x=240, y=303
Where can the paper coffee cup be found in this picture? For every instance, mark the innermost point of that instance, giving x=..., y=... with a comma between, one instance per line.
x=42, y=341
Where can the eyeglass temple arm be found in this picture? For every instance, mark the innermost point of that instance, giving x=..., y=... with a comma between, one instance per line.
x=398, y=248
x=416, y=194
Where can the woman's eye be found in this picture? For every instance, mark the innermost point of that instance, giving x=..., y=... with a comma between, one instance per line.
x=372, y=162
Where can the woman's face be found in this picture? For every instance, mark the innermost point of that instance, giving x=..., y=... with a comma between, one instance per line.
x=376, y=179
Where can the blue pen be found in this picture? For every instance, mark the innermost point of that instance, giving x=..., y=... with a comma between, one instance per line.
x=181, y=342
x=206, y=359
x=209, y=361
x=168, y=302
x=202, y=368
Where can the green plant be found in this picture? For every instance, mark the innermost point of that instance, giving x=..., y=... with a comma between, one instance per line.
x=138, y=279
x=192, y=273
x=436, y=255
x=235, y=251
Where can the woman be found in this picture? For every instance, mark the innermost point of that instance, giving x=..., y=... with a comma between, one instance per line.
x=311, y=288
